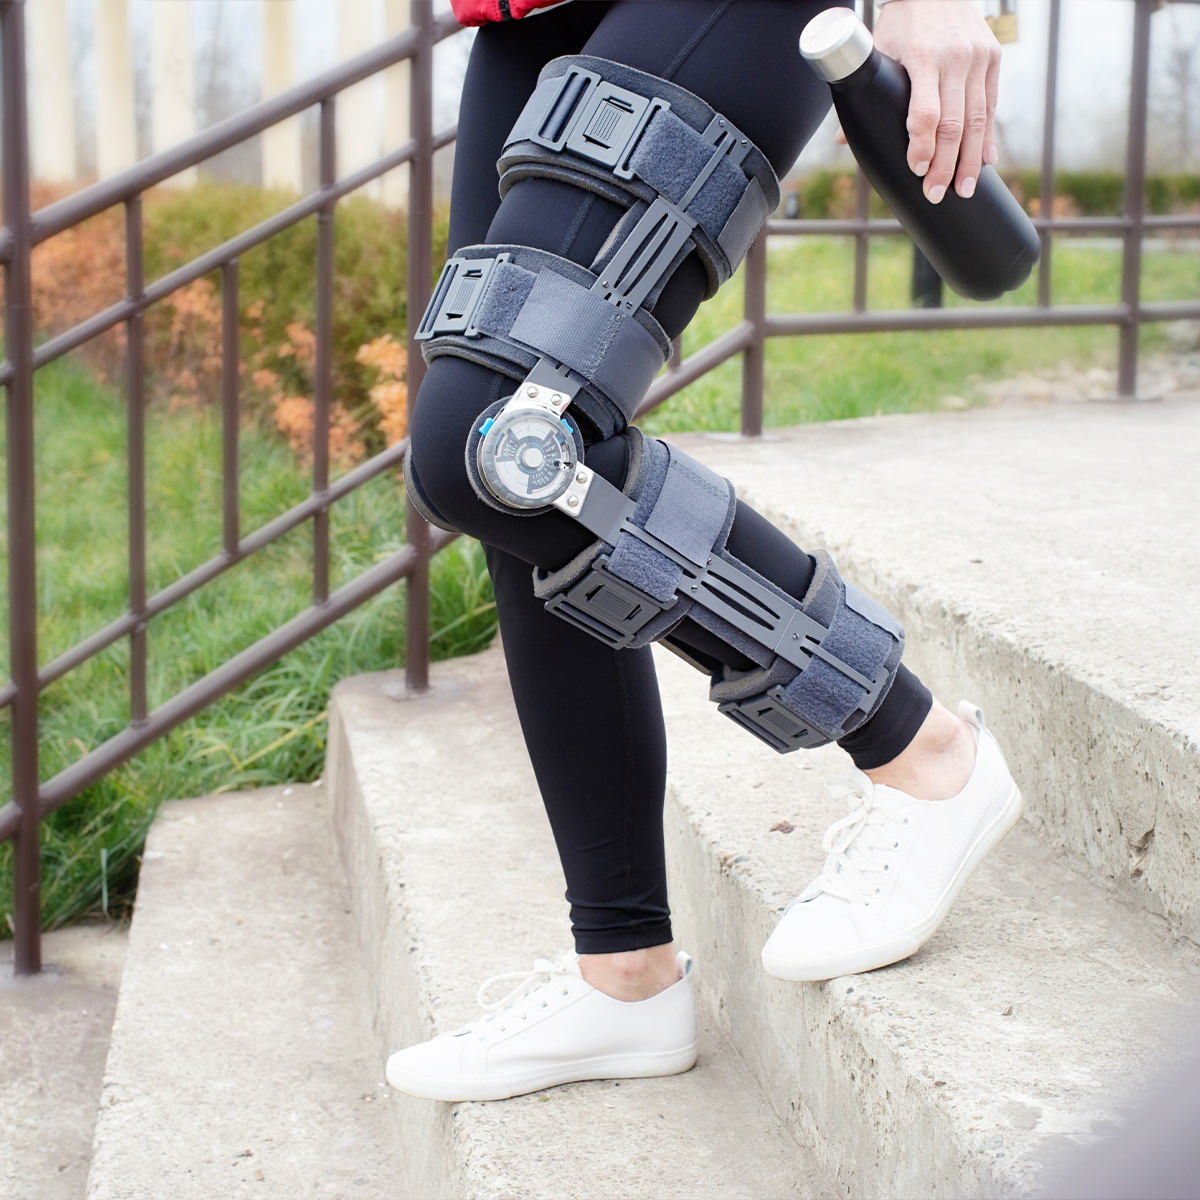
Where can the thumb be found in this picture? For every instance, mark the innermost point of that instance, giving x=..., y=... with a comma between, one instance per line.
x=839, y=136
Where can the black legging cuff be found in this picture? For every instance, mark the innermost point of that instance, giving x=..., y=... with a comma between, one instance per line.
x=615, y=941
x=901, y=714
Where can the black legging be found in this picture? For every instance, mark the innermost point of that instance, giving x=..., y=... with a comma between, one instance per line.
x=591, y=716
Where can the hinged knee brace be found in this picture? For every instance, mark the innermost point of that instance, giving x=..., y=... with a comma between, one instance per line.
x=824, y=663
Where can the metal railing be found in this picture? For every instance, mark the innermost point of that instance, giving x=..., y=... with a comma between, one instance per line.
x=23, y=230
x=34, y=798
x=1128, y=315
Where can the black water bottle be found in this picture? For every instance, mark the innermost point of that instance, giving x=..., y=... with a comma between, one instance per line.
x=982, y=247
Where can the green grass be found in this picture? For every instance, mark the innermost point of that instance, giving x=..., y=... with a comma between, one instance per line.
x=272, y=729
x=837, y=376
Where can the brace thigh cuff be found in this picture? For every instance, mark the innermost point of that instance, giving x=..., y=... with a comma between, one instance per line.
x=824, y=663
x=645, y=142
x=506, y=307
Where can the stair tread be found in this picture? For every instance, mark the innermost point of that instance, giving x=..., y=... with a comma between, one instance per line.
x=1022, y=1027
x=241, y=1043
x=1040, y=557
x=463, y=828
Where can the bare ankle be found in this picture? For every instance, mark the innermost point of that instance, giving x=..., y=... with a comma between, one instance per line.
x=631, y=974
x=937, y=763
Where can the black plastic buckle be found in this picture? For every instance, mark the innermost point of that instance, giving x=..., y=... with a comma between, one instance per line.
x=597, y=120
x=606, y=607
x=774, y=723
x=456, y=296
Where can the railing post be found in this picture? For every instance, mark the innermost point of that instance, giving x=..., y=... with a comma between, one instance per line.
x=22, y=558
x=323, y=364
x=420, y=270
x=135, y=425
x=1047, y=181
x=754, y=311
x=1135, y=201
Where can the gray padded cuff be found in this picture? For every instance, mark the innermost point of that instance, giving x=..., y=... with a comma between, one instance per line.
x=416, y=494
x=539, y=305
x=665, y=157
x=825, y=663
x=861, y=632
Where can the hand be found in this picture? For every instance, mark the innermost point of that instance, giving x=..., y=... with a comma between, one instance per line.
x=953, y=61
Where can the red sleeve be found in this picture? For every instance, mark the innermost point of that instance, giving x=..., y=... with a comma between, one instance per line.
x=476, y=12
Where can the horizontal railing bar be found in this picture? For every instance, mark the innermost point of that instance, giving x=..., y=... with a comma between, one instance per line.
x=207, y=571
x=904, y=320
x=218, y=256
x=70, y=782
x=1172, y=221
x=691, y=368
x=62, y=214
x=1169, y=310
x=885, y=226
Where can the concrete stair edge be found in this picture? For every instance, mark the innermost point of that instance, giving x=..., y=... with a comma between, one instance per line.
x=1121, y=803
x=737, y=1146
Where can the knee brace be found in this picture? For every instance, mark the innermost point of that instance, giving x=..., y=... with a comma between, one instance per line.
x=689, y=181
x=824, y=663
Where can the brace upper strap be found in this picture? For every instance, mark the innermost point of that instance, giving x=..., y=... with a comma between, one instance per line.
x=516, y=304
x=626, y=134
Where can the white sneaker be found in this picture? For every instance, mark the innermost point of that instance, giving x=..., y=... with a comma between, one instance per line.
x=552, y=1028
x=895, y=866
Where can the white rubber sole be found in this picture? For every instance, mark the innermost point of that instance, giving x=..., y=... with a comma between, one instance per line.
x=901, y=945
x=484, y=1087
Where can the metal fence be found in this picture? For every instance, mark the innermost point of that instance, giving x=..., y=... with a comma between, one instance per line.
x=34, y=798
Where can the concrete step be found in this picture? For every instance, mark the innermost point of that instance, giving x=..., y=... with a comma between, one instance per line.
x=54, y=1034
x=1021, y=1031
x=1042, y=559
x=242, y=1061
x=455, y=878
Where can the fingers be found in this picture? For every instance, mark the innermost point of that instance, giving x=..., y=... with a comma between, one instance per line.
x=952, y=96
x=924, y=112
x=975, y=124
x=992, y=91
x=840, y=137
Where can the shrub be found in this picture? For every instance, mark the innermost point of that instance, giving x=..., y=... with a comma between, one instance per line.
x=82, y=271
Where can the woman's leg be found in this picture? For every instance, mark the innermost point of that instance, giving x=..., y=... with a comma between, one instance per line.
x=715, y=49
x=604, y=799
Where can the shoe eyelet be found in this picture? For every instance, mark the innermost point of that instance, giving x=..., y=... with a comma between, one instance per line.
x=887, y=868
x=565, y=992
x=906, y=822
x=524, y=1016
x=878, y=891
x=896, y=845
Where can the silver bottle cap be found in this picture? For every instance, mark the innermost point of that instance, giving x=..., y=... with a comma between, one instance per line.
x=836, y=43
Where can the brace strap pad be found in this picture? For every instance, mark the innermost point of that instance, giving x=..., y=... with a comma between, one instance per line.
x=508, y=306
x=633, y=137
x=824, y=663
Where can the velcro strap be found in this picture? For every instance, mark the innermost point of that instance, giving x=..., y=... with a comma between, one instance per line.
x=681, y=502
x=862, y=640
x=606, y=126
x=556, y=317
x=671, y=154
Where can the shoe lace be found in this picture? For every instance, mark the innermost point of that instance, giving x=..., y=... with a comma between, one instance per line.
x=520, y=999
x=856, y=844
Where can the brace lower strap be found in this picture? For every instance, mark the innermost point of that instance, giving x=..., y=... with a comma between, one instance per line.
x=824, y=663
